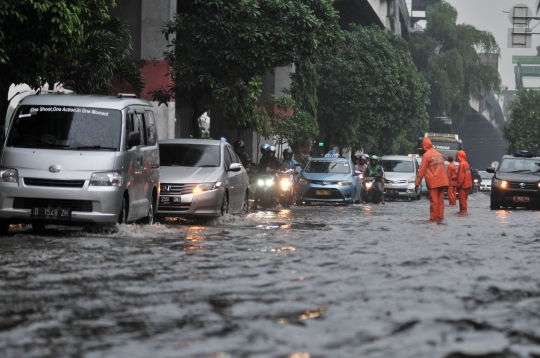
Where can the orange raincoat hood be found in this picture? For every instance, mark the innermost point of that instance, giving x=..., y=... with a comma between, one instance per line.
x=426, y=144
x=461, y=156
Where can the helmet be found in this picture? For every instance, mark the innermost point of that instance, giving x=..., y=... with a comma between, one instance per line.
x=264, y=148
x=239, y=144
x=374, y=157
x=287, y=151
x=272, y=149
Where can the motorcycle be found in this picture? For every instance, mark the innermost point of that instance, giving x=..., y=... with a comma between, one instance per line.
x=371, y=195
x=286, y=187
x=264, y=194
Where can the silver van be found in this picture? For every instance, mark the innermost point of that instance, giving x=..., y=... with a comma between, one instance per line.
x=79, y=159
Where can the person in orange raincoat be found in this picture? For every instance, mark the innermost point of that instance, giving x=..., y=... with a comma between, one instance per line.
x=432, y=168
x=452, y=180
x=464, y=181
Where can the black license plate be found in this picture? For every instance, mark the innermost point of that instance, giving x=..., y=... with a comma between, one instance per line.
x=51, y=213
x=170, y=199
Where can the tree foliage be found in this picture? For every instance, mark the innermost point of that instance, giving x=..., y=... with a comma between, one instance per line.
x=447, y=54
x=223, y=47
x=522, y=130
x=370, y=92
x=35, y=36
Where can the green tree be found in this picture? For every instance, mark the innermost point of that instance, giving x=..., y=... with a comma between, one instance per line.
x=223, y=47
x=447, y=54
x=37, y=36
x=522, y=130
x=370, y=92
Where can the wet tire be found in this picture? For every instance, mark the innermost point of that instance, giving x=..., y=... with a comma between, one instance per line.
x=38, y=226
x=225, y=205
x=245, y=204
x=122, y=216
x=493, y=205
x=149, y=219
x=4, y=228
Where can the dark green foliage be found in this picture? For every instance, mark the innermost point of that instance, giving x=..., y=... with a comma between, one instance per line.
x=522, y=130
x=447, y=56
x=223, y=47
x=371, y=93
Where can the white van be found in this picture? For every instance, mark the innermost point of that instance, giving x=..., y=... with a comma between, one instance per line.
x=79, y=159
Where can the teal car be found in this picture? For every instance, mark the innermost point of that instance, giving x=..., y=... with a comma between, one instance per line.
x=331, y=180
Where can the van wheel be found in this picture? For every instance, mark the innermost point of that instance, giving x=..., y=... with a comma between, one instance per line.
x=122, y=217
x=4, y=227
x=149, y=219
x=225, y=205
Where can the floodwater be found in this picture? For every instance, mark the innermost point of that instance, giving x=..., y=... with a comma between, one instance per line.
x=318, y=281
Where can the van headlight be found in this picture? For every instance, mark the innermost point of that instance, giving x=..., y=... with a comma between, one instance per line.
x=497, y=183
x=345, y=183
x=206, y=186
x=411, y=180
x=106, y=179
x=8, y=175
x=302, y=181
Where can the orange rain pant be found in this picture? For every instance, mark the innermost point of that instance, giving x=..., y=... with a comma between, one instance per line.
x=451, y=195
x=463, y=196
x=436, y=204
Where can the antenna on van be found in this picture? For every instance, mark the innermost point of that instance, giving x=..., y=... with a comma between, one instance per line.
x=126, y=95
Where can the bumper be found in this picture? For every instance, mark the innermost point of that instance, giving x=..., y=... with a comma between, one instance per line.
x=205, y=204
x=505, y=197
x=326, y=193
x=400, y=191
x=485, y=187
x=92, y=205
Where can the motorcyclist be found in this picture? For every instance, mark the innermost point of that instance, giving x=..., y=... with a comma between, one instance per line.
x=288, y=161
x=239, y=147
x=376, y=171
x=269, y=161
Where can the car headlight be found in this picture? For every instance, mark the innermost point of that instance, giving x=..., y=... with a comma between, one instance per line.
x=106, y=179
x=344, y=183
x=497, y=183
x=302, y=181
x=8, y=175
x=411, y=180
x=206, y=186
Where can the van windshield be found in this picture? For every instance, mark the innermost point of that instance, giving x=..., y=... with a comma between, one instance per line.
x=189, y=155
x=398, y=166
x=61, y=127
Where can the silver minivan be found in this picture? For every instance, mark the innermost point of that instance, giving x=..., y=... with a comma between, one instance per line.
x=79, y=159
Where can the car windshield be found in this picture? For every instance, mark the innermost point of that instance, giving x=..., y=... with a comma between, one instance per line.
x=486, y=175
x=189, y=155
x=520, y=165
x=398, y=166
x=61, y=127
x=326, y=166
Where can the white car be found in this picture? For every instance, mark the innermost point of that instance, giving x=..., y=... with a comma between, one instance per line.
x=400, y=176
x=485, y=184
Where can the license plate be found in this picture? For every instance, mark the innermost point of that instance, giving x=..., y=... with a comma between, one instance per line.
x=521, y=199
x=322, y=192
x=51, y=213
x=169, y=199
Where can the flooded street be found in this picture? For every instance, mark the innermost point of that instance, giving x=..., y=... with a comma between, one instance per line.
x=317, y=281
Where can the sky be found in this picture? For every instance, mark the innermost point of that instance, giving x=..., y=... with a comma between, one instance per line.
x=488, y=15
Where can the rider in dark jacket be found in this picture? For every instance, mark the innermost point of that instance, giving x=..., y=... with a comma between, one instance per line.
x=270, y=160
x=239, y=147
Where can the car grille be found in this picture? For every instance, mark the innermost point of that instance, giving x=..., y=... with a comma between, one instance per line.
x=515, y=185
x=74, y=205
x=320, y=182
x=334, y=194
x=177, y=189
x=54, y=183
x=174, y=207
x=395, y=181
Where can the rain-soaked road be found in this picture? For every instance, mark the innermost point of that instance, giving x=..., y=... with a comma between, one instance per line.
x=319, y=281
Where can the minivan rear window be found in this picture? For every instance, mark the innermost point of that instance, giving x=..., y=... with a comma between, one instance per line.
x=189, y=155
x=397, y=166
x=61, y=127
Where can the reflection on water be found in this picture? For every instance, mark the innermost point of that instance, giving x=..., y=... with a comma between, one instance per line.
x=502, y=215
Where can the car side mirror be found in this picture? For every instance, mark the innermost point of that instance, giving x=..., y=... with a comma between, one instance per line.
x=134, y=139
x=490, y=170
x=235, y=167
x=357, y=172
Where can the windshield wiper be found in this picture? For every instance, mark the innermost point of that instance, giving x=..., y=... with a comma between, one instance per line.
x=90, y=147
x=519, y=171
x=41, y=145
x=207, y=166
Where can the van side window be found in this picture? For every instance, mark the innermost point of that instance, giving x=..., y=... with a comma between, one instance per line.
x=228, y=158
x=151, y=137
x=141, y=128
